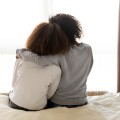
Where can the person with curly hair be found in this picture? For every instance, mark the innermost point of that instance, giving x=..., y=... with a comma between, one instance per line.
x=75, y=64
x=33, y=83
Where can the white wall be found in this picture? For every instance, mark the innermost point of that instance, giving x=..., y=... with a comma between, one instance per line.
x=99, y=19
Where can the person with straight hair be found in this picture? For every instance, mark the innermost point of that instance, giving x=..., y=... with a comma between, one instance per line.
x=75, y=64
x=33, y=83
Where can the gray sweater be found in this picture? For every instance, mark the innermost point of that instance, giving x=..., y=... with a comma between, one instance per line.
x=75, y=65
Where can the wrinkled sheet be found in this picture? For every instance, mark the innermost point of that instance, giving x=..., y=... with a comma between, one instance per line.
x=105, y=107
x=108, y=105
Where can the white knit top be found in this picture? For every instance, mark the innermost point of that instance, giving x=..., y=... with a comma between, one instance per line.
x=33, y=84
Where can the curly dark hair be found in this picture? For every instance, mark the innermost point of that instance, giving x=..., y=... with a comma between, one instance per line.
x=69, y=24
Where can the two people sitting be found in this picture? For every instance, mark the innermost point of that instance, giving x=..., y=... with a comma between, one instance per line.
x=53, y=68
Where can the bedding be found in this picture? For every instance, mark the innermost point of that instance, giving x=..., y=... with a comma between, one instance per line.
x=105, y=107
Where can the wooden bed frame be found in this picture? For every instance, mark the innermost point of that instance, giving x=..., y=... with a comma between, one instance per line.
x=96, y=93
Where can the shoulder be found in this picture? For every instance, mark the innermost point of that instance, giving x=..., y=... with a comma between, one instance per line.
x=55, y=69
x=87, y=46
x=83, y=47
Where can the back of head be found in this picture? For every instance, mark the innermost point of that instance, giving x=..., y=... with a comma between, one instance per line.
x=48, y=39
x=69, y=24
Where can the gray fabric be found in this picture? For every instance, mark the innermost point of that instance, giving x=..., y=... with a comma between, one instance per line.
x=75, y=65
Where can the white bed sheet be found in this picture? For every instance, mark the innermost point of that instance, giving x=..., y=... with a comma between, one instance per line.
x=105, y=107
x=108, y=105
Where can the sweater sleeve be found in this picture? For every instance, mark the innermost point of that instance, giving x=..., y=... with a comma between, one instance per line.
x=27, y=55
x=91, y=60
x=16, y=67
x=55, y=82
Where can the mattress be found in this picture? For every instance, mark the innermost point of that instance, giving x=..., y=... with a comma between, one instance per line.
x=105, y=107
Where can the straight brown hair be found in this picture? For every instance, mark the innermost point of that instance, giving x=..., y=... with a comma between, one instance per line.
x=48, y=39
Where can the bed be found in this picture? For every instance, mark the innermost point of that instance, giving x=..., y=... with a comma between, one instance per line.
x=104, y=107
